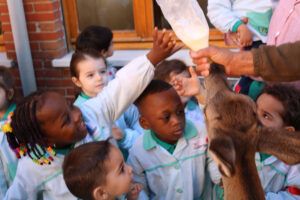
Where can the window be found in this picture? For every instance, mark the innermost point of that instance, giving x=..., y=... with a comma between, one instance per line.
x=132, y=21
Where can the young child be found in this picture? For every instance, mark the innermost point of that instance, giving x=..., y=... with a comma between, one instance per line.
x=88, y=71
x=167, y=71
x=246, y=23
x=279, y=107
x=249, y=19
x=105, y=175
x=170, y=160
x=45, y=127
x=7, y=106
x=100, y=39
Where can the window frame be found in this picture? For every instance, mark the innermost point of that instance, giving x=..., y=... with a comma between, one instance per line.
x=139, y=38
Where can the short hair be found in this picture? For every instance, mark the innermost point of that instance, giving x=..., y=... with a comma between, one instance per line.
x=84, y=168
x=165, y=68
x=94, y=37
x=7, y=80
x=155, y=86
x=289, y=96
x=79, y=56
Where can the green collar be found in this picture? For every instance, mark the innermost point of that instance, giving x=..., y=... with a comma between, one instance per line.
x=191, y=105
x=149, y=142
x=169, y=147
x=10, y=109
x=264, y=156
x=64, y=151
x=84, y=96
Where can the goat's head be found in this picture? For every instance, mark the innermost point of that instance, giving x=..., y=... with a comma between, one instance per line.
x=228, y=116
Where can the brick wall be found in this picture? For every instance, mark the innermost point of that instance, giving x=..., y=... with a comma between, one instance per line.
x=47, y=41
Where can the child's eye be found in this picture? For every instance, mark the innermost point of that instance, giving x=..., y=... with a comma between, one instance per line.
x=90, y=75
x=166, y=117
x=266, y=116
x=103, y=72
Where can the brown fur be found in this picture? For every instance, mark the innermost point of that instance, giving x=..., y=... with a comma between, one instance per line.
x=235, y=135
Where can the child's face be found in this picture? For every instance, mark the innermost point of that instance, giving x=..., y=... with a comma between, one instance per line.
x=184, y=74
x=61, y=122
x=3, y=99
x=269, y=111
x=119, y=176
x=163, y=113
x=92, y=76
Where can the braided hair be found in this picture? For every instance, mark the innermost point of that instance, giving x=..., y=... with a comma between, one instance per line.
x=26, y=133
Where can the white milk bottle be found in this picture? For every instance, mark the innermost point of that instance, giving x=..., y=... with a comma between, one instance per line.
x=187, y=21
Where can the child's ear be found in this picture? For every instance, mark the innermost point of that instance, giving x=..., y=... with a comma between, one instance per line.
x=76, y=81
x=99, y=193
x=103, y=53
x=10, y=94
x=144, y=123
x=290, y=128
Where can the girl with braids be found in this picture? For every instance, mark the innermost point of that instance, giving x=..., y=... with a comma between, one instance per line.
x=7, y=105
x=44, y=127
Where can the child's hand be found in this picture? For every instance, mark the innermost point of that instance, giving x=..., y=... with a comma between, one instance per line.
x=244, y=36
x=164, y=45
x=117, y=133
x=189, y=86
x=133, y=194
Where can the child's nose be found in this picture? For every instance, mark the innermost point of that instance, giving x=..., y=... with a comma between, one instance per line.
x=129, y=169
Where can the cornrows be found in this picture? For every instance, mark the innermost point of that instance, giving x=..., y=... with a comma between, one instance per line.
x=26, y=133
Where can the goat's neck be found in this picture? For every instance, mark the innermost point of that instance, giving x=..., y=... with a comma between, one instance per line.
x=245, y=183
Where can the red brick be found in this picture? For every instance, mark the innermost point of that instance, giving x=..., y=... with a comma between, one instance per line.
x=4, y=18
x=3, y=8
x=31, y=27
x=8, y=37
x=10, y=46
x=46, y=6
x=11, y=55
x=53, y=73
x=46, y=36
x=66, y=72
x=38, y=63
x=58, y=83
x=50, y=26
x=49, y=54
x=34, y=46
x=28, y=8
x=52, y=45
x=6, y=27
x=43, y=16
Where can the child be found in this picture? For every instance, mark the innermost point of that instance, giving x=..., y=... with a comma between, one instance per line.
x=88, y=71
x=45, y=127
x=170, y=160
x=7, y=106
x=105, y=175
x=246, y=22
x=166, y=71
x=100, y=39
x=279, y=107
x=249, y=19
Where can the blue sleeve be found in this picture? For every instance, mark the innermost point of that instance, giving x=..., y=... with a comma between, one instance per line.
x=3, y=184
x=129, y=124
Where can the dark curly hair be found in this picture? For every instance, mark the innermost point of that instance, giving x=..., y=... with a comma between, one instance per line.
x=289, y=96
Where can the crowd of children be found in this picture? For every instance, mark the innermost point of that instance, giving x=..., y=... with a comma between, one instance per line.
x=139, y=133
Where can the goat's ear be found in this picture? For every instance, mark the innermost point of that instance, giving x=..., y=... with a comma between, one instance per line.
x=223, y=153
x=282, y=143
